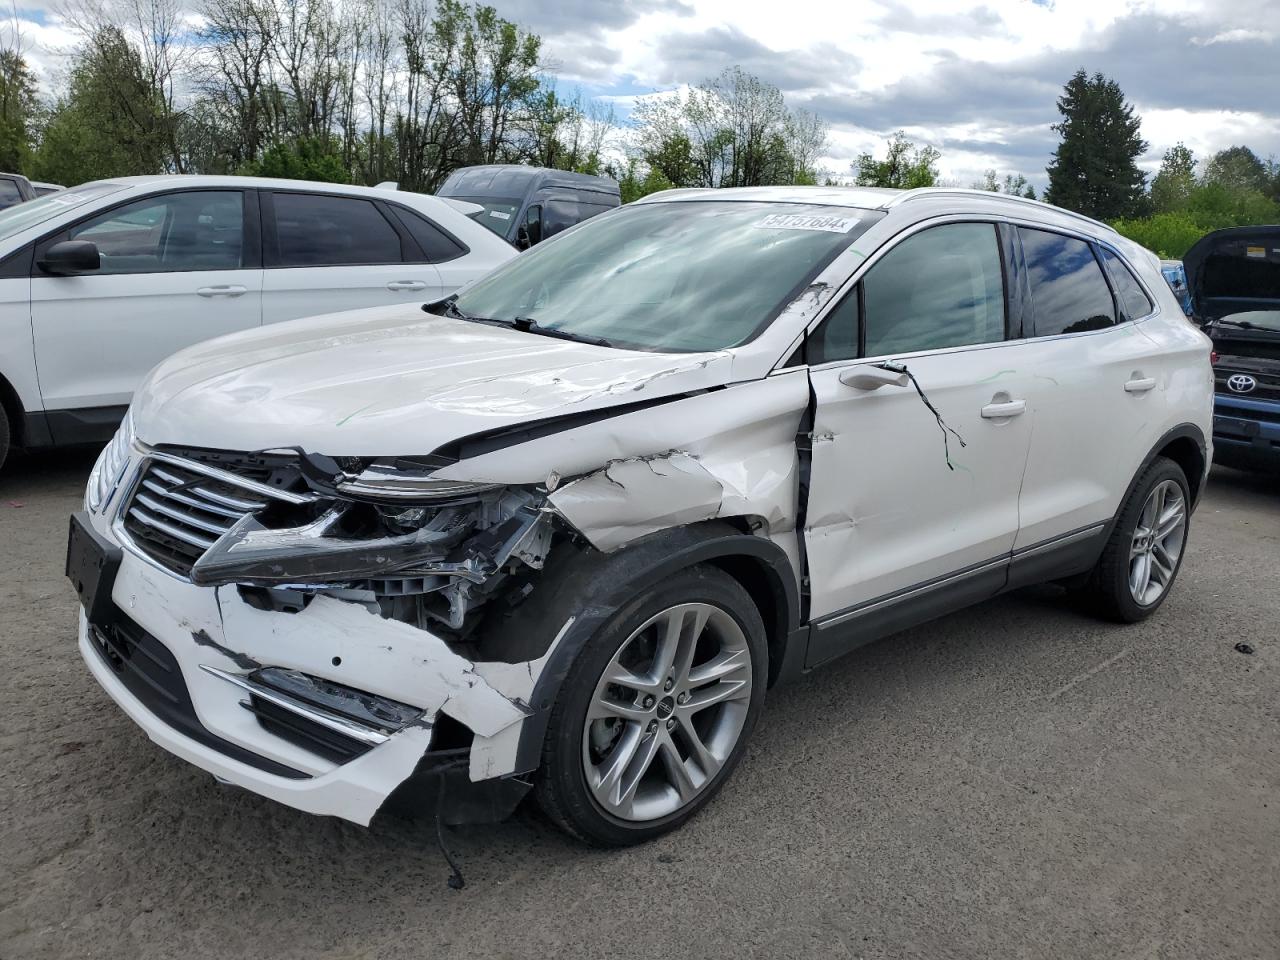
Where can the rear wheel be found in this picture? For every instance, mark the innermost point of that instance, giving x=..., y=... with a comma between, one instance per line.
x=655, y=712
x=1143, y=555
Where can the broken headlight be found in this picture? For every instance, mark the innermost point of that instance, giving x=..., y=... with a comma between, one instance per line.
x=110, y=467
x=378, y=482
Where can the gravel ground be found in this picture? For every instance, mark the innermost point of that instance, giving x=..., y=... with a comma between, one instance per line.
x=1015, y=781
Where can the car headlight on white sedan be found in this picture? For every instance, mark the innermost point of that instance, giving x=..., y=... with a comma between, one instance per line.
x=109, y=470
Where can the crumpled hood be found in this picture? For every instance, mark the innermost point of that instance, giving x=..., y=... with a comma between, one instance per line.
x=392, y=381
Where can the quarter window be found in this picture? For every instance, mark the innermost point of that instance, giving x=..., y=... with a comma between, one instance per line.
x=1068, y=290
x=203, y=230
x=1133, y=299
x=942, y=287
x=436, y=245
x=325, y=231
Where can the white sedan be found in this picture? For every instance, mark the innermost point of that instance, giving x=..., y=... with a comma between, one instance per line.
x=101, y=282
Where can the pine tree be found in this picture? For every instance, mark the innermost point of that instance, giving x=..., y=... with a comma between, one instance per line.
x=1094, y=169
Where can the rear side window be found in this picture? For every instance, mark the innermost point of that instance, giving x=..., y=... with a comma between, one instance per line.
x=1068, y=290
x=437, y=245
x=942, y=287
x=1133, y=299
x=323, y=231
x=10, y=195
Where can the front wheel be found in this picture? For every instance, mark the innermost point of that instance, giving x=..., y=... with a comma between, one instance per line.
x=655, y=712
x=1145, y=550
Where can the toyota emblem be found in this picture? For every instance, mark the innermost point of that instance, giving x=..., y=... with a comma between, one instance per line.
x=1241, y=383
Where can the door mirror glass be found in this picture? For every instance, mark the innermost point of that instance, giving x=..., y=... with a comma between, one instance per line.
x=70, y=257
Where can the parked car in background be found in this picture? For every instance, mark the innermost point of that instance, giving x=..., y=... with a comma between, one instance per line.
x=1234, y=279
x=100, y=283
x=525, y=205
x=562, y=531
x=15, y=189
x=43, y=189
x=1176, y=276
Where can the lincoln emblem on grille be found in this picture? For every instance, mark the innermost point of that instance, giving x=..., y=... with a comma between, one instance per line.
x=1241, y=383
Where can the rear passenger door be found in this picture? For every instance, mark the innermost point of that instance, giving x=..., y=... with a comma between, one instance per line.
x=326, y=252
x=1097, y=386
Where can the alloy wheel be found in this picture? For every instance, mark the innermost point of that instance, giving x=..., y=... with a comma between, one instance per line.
x=667, y=712
x=1157, y=542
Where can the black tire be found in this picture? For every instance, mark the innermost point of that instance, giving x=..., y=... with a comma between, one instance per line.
x=1107, y=592
x=560, y=787
x=4, y=435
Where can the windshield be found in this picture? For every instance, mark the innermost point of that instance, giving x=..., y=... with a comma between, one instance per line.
x=16, y=219
x=497, y=214
x=684, y=277
x=1254, y=320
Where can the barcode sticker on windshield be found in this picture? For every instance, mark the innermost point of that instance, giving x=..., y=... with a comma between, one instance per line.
x=798, y=221
x=1256, y=251
x=499, y=215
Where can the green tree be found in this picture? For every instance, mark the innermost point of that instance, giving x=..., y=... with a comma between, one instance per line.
x=311, y=158
x=904, y=166
x=1015, y=185
x=1171, y=188
x=1238, y=169
x=111, y=123
x=1094, y=169
x=19, y=111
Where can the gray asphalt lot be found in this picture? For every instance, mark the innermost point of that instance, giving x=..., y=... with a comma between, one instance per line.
x=1015, y=781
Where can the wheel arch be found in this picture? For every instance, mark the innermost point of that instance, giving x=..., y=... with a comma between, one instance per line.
x=13, y=410
x=1185, y=445
x=612, y=580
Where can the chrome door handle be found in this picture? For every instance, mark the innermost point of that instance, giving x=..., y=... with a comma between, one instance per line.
x=1141, y=385
x=1001, y=411
x=226, y=290
x=397, y=285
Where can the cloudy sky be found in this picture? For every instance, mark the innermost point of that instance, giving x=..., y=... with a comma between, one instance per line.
x=978, y=80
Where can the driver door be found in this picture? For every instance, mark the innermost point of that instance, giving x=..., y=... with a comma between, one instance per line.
x=911, y=513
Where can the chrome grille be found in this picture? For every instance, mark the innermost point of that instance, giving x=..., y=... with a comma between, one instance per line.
x=179, y=508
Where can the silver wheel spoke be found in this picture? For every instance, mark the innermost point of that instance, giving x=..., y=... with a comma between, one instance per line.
x=1140, y=575
x=644, y=704
x=677, y=773
x=1157, y=542
x=1170, y=521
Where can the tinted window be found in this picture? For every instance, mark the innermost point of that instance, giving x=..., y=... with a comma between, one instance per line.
x=561, y=214
x=320, y=231
x=1068, y=290
x=9, y=193
x=203, y=230
x=942, y=287
x=437, y=245
x=1133, y=298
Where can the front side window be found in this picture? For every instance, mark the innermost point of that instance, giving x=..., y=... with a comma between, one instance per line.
x=942, y=287
x=315, y=230
x=1133, y=299
x=1068, y=291
x=684, y=276
x=202, y=230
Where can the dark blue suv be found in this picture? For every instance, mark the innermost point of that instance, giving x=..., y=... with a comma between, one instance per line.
x=1234, y=279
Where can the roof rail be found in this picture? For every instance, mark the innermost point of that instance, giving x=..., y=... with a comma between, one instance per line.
x=920, y=193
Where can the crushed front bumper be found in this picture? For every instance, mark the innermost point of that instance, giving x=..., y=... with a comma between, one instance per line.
x=182, y=661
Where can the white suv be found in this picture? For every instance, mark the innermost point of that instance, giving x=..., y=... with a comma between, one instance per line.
x=563, y=530
x=100, y=283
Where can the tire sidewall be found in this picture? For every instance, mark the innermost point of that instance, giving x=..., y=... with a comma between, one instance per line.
x=562, y=771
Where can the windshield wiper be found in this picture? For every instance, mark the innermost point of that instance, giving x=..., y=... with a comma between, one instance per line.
x=1242, y=324
x=530, y=325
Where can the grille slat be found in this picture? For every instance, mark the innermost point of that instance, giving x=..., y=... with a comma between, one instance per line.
x=188, y=518
x=181, y=507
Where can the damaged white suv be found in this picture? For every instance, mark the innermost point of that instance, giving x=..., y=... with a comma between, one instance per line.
x=559, y=533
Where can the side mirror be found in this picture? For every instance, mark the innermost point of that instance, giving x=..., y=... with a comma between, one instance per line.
x=69, y=257
x=872, y=378
x=522, y=237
